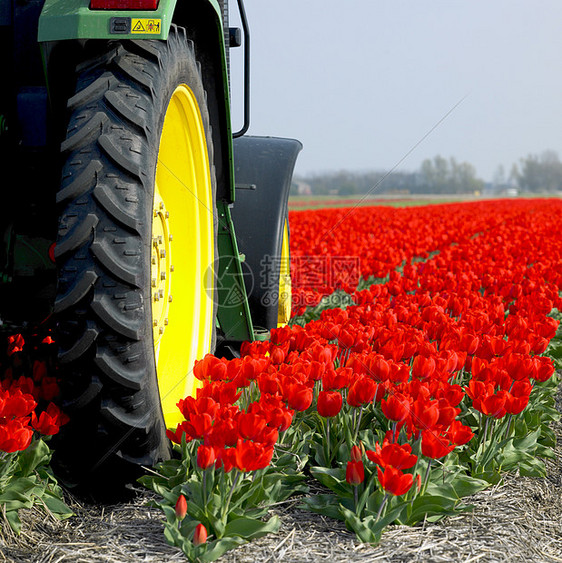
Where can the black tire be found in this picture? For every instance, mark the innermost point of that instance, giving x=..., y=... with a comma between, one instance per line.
x=104, y=307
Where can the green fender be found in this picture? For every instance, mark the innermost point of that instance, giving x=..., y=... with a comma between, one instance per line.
x=73, y=19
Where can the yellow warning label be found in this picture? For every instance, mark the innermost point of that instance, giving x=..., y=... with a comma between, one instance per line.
x=146, y=25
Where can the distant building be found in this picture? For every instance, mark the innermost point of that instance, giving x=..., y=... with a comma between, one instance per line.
x=302, y=188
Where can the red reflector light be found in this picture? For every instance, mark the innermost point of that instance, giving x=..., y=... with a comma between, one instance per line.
x=124, y=4
x=52, y=253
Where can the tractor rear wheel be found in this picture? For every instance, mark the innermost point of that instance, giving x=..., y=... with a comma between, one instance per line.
x=135, y=252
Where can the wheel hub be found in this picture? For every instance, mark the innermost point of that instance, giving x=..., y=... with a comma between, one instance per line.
x=161, y=268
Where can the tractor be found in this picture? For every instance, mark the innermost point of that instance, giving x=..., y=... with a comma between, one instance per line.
x=138, y=227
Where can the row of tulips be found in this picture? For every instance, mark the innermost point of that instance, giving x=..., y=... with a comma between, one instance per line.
x=310, y=203
x=28, y=418
x=386, y=238
x=435, y=379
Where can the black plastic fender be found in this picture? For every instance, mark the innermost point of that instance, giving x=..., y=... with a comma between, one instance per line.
x=263, y=168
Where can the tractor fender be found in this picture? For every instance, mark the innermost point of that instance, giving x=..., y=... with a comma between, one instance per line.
x=263, y=171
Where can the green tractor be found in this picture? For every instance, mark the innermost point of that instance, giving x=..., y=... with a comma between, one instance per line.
x=138, y=227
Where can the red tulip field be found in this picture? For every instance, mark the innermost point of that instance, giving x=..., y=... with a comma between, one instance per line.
x=418, y=369
x=432, y=378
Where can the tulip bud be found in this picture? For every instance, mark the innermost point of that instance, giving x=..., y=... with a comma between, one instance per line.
x=356, y=453
x=200, y=535
x=355, y=472
x=181, y=508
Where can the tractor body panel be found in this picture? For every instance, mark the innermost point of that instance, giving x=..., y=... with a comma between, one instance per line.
x=73, y=19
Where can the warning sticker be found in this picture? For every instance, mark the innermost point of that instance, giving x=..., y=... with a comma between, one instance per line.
x=146, y=25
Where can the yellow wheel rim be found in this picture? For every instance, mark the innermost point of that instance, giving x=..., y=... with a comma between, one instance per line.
x=284, y=310
x=182, y=253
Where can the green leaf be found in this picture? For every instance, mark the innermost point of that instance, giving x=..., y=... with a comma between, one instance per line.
x=38, y=453
x=57, y=506
x=333, y=479
x=251, y=528
x=13, y=520
x=492, y=476
x=430, y=505
x=216, y=549
x=19, y=486
x=369, y=529
x=532, y=467
x=365, y=529
x=326, y=505
x=465, y=485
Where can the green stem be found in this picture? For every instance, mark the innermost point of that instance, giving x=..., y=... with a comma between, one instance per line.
x=205, y=488
x=508, y=427
x=381, y=507
x=426, y=478
x=358, y=424
x=328, y=443
x=227, y=503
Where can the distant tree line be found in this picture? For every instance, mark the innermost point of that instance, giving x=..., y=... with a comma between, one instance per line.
x=539, y=173
x=534, y=173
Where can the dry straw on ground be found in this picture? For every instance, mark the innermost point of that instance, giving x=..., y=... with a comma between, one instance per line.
x=517, y=521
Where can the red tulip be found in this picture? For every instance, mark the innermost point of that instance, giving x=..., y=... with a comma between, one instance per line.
x=299, y=396
x=17, y=404
x=361, y=392
x=396, y=407
x=49, y=421
x=356, y=453
x=424, y=413
x=394, y=455
x=494, y=404
x=329, y=403
x=355, y=472
x=205, y=456
x=250, y=425
x=181, y=507
x=459, y=434
x=251, y=456
x=435, y=446
x=423, y=367
x=280, y=418
x=394, y=481
x=545, y=368
x=15, y=435
x=200, y=535
x=15, y=344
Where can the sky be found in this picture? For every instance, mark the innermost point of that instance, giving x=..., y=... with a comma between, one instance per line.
x=384, y=84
